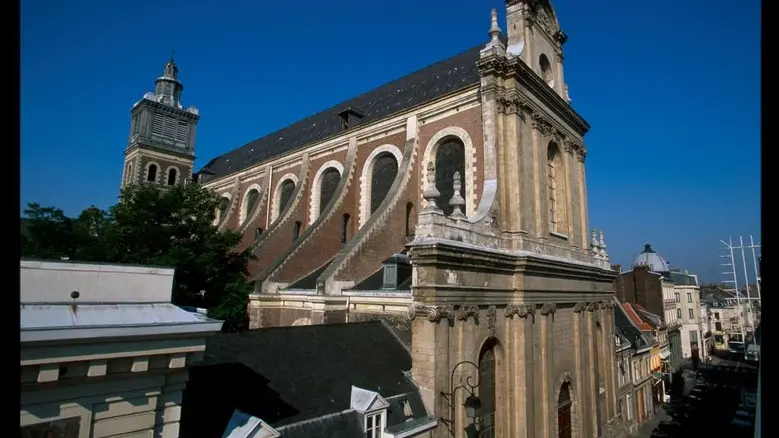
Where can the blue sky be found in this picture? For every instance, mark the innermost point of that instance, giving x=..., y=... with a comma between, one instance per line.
x=671, y=89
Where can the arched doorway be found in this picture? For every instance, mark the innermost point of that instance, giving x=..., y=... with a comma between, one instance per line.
x=564, y=412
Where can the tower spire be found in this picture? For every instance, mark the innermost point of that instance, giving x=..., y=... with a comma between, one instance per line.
x=168, y=87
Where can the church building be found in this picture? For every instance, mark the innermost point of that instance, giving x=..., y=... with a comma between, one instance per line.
x=450, y=203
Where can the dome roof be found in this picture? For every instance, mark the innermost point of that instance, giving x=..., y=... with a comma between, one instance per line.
x=653, y=260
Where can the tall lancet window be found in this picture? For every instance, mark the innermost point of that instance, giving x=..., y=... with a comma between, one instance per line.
x=449, y=158
x=330, y=179
x=564, y=412
x=385, y=169
x=487, y=390
x=556, y=189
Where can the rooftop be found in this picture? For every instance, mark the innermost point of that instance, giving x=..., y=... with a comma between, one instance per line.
x=296, y=378
x=422, y=86
x=627, y=327
x=64, y=300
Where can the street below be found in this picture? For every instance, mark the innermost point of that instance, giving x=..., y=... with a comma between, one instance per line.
x=719, y=399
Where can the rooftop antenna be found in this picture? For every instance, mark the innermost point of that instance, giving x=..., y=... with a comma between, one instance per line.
x=732, y=265
x=172, y=54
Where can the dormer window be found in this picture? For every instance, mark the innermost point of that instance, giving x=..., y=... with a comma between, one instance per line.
x=349, y=118
x=374, y=425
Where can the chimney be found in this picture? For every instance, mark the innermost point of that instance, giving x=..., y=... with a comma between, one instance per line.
x=396, y=269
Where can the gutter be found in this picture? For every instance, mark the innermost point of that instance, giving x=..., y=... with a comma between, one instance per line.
x=98, y=332
x=413, y=432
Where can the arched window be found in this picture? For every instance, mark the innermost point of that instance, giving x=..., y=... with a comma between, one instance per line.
x=224, y=205
x=296, y=231
x=546, y=70
x=487, y=390
x=556, y=190
x=129, y=174
x=284, y=197
x=172, y=177
x=330, y=179
x=250, y=203
x=449, y=158
x=564, y=412
x=409, y=210
x=385, y=169
x=344, y=227
x=151, y=174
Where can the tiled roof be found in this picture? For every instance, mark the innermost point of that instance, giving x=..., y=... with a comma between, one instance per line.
x=627, y=327
x=654, y=321
x=421, y=86
x=289, y=375
x=635, y=318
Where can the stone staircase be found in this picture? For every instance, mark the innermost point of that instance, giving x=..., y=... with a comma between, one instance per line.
x=330, y=209
x=376, y=222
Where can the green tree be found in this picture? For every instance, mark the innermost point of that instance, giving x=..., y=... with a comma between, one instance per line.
x=153, y=227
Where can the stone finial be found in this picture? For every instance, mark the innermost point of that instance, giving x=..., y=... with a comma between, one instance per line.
x=602, y=245
x=431, y=194
x=494, y=28
x=457, y=201
x=594, y=245
x=495, y=46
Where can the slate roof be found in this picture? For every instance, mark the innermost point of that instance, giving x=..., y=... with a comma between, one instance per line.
x=419, y=87
x=627, y=328
x=288, y=375
x=682, y=279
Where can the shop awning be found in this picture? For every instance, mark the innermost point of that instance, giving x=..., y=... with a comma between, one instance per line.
x=665, y=354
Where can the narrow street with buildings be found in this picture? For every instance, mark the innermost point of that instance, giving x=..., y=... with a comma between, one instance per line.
x=718, y=400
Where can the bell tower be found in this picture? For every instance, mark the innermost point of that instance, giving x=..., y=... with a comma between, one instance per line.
x=161, y=146
x=535, y=36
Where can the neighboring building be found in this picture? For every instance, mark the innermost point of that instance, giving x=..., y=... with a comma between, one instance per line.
x=473, y=169
x=688, y=304
x=316, y=381
x=103, y=351
x=649, y=285
x=635, y=377
x=652, y=328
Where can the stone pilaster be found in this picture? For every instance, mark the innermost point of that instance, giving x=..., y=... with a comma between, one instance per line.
x=569, y=169
x=508, y=158
x=541, y=129
x=580, y=153
x=547, y=312
x=520, y=321
x=593, y=368
x=581, y=362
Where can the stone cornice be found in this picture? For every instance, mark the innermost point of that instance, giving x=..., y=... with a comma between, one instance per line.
x=162, y=108
x=446, y=254
x=515, y=68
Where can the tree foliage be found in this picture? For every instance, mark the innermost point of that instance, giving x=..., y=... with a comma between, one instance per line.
x=153, y=227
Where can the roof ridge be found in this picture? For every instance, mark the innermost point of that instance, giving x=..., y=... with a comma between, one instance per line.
x=373, y=103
